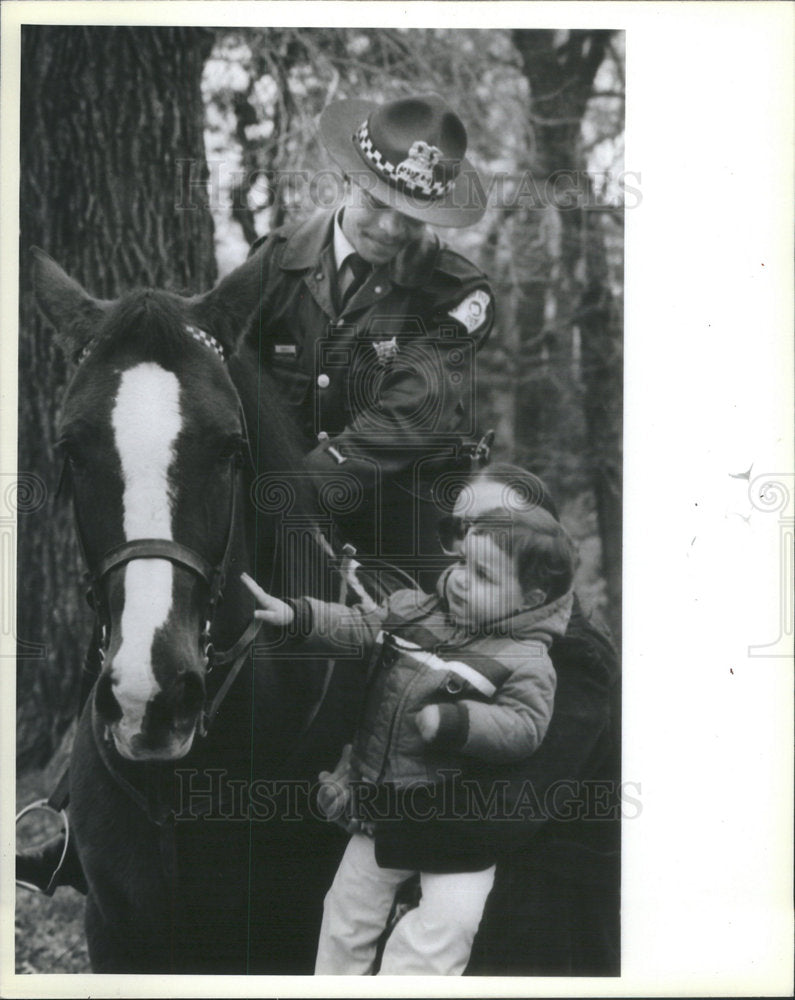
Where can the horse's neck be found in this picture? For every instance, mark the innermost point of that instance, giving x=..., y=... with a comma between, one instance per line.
x=271, y=694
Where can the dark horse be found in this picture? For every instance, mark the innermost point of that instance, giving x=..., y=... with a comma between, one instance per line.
x=193, y=769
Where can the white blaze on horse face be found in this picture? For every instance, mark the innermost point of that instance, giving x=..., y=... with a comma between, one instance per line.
x=146, y=421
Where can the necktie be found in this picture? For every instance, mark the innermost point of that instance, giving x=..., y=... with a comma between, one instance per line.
x=353, y=275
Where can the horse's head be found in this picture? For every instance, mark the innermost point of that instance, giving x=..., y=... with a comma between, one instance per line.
x=151, y=429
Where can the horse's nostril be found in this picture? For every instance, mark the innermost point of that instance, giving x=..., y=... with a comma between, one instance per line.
x=107, y=706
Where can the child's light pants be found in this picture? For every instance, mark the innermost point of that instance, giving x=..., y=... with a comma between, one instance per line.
x=435, y=938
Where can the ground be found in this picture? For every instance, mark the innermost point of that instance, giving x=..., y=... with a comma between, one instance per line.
x=49, y=933
x=48, y=929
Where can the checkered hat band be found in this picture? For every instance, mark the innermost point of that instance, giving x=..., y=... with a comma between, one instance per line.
x=389, y=172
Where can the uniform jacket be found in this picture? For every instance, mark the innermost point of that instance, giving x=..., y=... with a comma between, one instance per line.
x=389, y=378
x=495, y=688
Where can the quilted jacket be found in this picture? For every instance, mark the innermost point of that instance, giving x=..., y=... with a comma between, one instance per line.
x=495, y=688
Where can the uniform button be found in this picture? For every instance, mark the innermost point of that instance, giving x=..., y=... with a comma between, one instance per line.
x=319, y=276
x=323, y=381
x=377, y=289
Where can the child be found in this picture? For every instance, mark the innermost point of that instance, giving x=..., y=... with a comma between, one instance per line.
x=463, y=674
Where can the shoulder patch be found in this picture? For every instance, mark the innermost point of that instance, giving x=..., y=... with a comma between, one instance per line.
x=472, y=312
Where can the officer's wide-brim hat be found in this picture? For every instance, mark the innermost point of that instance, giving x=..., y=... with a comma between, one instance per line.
x=409, y=154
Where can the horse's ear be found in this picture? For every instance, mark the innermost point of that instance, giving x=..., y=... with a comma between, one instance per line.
x=65, y=303
x=224, y=309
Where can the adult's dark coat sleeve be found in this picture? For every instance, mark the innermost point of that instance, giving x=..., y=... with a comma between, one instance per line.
x=555, y=905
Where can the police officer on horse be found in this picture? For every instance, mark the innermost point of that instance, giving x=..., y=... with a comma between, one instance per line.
x=369, y=324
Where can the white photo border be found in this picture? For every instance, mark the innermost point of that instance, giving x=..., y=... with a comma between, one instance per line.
x=708, y=732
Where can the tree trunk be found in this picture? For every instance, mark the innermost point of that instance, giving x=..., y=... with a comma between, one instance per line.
x=113, y=186
x=568, y=296
x=602, y=377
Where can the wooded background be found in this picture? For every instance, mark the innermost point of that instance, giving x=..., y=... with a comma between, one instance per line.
x=155, y=156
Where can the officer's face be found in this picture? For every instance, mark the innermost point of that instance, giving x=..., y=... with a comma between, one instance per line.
x=376, y=231
x=483, y=586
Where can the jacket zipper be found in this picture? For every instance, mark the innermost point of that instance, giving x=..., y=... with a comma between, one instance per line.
x=392, y=726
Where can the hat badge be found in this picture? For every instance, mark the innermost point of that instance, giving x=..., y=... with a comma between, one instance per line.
x=418, y=166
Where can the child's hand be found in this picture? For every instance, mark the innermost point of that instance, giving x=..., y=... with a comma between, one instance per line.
x=428, y=720
x=334, y=792
x=273, y=611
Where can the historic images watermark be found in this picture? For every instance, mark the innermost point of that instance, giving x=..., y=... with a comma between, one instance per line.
x=214, y=795
x=440, y=364
x=774, y=493
x=564, y=190
x=20, y=494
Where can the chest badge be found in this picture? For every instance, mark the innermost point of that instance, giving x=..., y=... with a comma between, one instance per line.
x=385, y=350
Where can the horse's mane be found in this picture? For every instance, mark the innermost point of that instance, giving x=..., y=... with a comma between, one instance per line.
x=274, y=439
x=152, y=319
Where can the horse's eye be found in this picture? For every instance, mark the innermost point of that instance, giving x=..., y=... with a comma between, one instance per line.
x=232, y=448
x=70, y=453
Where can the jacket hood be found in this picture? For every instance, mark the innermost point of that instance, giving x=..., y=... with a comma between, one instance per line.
x=545, y=623
x=550, y=619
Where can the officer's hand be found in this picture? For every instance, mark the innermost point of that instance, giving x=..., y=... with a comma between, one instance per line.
x=428, y=720
x=273, y=611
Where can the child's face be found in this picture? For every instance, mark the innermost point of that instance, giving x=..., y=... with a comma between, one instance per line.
x=483, y=586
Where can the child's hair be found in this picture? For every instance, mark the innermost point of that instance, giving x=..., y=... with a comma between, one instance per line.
x=532, y=490
x=539, y=546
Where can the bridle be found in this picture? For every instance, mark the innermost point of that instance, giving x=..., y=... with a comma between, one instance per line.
x=212, y=575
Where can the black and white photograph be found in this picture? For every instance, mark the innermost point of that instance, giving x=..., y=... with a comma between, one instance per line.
x=367, y=527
